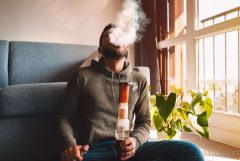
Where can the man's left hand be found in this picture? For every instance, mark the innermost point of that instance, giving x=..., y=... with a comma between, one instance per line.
x=128, y=148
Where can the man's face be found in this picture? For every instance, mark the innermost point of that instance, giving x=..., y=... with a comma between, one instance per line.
x=112, y=51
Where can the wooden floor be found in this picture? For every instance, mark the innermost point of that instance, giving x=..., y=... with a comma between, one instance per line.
x=213, y=150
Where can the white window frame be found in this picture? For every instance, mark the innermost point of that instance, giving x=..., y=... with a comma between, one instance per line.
x=224, y=127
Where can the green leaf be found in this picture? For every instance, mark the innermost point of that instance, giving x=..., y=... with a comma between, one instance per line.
x=204, y=105
x=193, y=122
x=153, y=100
x=171, y=133
x=179, y=91
x=202, y=130
x=182, y=113
x=208, y=106
x=160, y=102
x=202, y=119
x=193, y=93
x=173, y=88
x=178, y=124
x=197, y=98
x=205, y=93
x=161, y=130
x=185, y=104
x=205, y=132
x=173, y=124
x=165, y=107
x=199, y=108
x=157, y=120
x=187, y=129
x=170, y=103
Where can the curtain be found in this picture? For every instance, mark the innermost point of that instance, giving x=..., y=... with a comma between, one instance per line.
x=146, y=52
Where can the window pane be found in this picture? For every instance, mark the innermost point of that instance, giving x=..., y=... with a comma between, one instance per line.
x=218, y=19
x=218, y=62
x=232, y=71
x=232, y=15
x=177, y=17
x=220, y=98
x=201, y=66
x=208, y=23
x=209, y=64
x=212, y=9
x=177, y=66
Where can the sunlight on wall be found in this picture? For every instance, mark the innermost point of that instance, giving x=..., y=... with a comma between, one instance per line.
x=64, y=21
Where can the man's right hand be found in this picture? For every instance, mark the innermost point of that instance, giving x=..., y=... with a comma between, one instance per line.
x=74, y=153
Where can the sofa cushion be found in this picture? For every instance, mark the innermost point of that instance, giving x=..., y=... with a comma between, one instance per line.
x=35, y=62
x=29, y=138
x=29, y=99
x=3, y=63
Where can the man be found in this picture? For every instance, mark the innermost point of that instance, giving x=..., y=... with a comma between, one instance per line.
x=87, y=121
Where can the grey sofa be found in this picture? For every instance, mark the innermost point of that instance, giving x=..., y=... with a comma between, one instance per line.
x=33, y=78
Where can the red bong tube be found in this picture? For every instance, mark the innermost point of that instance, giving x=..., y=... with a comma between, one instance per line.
x=122, y=128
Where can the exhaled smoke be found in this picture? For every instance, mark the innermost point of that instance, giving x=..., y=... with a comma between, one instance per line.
x=131, y=23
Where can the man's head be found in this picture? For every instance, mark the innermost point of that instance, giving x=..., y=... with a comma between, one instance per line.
x=109, y=50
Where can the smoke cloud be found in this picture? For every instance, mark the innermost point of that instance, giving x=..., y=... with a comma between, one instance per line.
x=131, y=23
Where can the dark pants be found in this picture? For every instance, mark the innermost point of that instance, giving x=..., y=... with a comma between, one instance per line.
x=150, y=151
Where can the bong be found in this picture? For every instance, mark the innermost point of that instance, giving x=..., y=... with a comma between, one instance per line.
x=122, y=128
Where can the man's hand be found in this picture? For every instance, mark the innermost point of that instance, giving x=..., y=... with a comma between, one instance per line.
x=74, y=153
x=128, y=148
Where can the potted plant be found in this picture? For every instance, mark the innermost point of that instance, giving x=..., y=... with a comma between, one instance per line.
x=181, y=111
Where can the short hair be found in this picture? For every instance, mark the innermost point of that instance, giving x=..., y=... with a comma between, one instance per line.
x=106, y=28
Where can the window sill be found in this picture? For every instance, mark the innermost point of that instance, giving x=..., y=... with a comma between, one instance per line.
x=225, y=128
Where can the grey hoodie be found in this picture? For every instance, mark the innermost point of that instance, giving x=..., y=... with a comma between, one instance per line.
x=90, y=109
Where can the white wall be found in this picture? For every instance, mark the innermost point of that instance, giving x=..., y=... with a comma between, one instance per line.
x=61, y=21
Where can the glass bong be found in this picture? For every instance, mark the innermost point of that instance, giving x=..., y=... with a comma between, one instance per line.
x=122, y=128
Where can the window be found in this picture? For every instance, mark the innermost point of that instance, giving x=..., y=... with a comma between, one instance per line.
x=218, y=69
x=211, y=47
x=213, y=66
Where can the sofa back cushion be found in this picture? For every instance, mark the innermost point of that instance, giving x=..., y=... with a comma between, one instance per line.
x=3, y=63
x=35, y=62
x=31, y=99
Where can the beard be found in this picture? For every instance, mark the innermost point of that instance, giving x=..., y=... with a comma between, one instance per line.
x=114, y=54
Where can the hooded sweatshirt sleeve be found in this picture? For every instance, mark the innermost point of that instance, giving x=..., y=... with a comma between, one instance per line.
x=66, y=114
x=142, y=113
